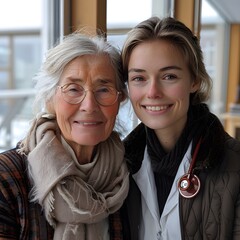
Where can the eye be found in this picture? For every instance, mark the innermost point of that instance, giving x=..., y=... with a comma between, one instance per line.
x=73, y=89
x=103, y=89
x=169, y=77
x=105, y=92
x=136, y=79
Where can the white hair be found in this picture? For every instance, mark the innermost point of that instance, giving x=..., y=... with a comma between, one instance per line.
x=72, y=46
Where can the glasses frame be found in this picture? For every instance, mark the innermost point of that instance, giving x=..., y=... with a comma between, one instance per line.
x=85, y=93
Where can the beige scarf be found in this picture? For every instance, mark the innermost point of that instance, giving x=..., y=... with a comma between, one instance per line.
x=77, y=199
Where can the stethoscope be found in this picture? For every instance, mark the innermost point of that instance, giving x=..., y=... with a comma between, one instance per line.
x=189, y=184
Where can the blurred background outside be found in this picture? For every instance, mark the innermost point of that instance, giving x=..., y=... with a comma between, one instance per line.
x=26, y=33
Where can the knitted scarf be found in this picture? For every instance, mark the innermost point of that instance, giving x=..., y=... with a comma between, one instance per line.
x=77, y=199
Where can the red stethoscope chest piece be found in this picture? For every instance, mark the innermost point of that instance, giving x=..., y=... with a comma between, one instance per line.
x=189, y=185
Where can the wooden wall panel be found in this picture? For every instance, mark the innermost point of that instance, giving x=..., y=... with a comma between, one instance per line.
x=88, y=13
x=189, y=12
x=234, y=62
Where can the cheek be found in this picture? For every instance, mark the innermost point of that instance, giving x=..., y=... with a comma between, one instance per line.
x=61, y=107
x=63, y=113
x=181, y=92
x=110, y=114
x=135, y=94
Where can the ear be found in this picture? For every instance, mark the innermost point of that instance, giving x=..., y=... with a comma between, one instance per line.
x=195, y=86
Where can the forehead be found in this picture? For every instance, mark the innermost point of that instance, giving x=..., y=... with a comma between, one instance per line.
x=156, y=51
x=90, y=61
x=159, y=45
x=90, y=67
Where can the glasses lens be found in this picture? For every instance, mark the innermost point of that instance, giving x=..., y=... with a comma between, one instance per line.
x=106, y=96
x=73, y=93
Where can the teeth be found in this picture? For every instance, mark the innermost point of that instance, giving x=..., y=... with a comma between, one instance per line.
x=85, y=123
x=156, y=108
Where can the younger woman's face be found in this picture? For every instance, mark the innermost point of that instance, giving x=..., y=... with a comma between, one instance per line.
x=160, y=85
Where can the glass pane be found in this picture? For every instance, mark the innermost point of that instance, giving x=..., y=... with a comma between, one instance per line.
x=3, y=85
x=3, y=80
x=21, y=28
x=212, y=40
x=27, y=59
x=20, y=14
x=127, y=12
x=4, y=52
x=116, y=40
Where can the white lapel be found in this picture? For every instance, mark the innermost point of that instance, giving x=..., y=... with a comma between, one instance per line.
x=146, y=183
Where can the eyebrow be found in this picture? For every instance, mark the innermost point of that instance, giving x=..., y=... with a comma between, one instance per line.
x=139, y=70
x=74, y=79
x=98, y=80
x=136, y=70
x=171, y=68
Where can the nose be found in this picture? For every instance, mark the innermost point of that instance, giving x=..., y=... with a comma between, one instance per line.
x=89, y=103
x=154, y=90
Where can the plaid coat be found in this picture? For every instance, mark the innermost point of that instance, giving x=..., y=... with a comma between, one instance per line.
x=20, y=218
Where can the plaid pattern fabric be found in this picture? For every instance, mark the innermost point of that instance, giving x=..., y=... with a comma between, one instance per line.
x=21, y=219
x=115, y=226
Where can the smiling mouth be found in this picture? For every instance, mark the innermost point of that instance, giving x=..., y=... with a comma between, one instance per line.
x=88, y=123
x=157, y=108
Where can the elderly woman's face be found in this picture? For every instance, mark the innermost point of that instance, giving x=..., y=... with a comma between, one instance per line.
x=86, y=123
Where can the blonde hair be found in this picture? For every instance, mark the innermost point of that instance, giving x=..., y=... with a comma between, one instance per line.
x=175, y=32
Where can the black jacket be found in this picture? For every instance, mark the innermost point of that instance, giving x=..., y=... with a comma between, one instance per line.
x=214, y=213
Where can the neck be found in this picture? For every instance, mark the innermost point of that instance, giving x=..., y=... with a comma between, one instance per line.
x=83, y=153
x=169, y=136
x=167, y=141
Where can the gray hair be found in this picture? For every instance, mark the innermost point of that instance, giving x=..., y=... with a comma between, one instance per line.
x=72, y=46
x=180, y=36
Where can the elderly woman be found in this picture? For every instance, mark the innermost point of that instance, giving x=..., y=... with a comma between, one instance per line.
x=68, y=177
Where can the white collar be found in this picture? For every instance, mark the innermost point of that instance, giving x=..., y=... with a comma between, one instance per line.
x=153, y=226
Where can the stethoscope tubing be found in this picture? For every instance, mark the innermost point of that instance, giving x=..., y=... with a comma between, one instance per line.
x=189, y=184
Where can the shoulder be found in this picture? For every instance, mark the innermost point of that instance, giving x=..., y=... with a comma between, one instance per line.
x=11, y=160
x=14, y=195
x=233, y=144
x=13, y=172
x=232, y=154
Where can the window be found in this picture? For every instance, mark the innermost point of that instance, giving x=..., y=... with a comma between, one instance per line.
x=20, y=58
x=121, y=17
x=213, y=39
x=23, y=43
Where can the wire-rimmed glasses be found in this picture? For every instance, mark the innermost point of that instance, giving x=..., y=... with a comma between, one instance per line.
x=74, y=93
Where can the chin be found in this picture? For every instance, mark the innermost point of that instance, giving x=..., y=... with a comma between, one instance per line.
x=89, y=141
x=156, y=125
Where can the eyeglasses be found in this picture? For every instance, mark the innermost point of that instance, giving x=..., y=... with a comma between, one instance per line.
x=74, y=93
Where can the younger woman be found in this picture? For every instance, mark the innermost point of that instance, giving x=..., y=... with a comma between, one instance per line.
x=185, y=169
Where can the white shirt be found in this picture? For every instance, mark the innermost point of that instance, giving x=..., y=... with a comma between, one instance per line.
x=152, y=226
